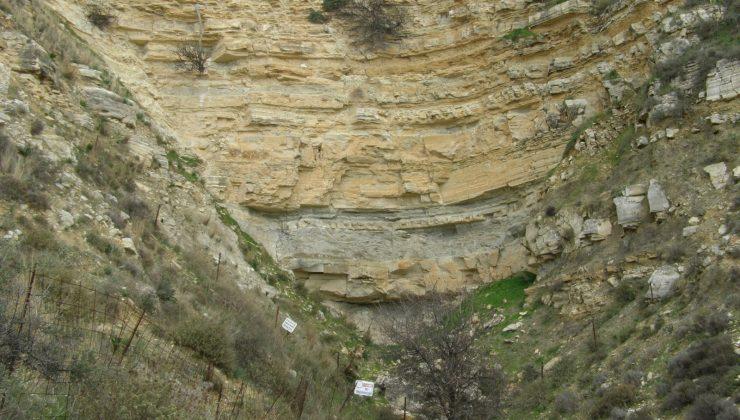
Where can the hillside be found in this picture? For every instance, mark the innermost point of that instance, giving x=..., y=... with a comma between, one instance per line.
x=548, y=186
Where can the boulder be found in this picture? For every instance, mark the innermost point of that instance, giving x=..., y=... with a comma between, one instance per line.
x=630, y=211
x=718, y=174
x=724, y=82
x=689, y=230
x=596, y=229
x=657, y=200
x=544, y=242
x=66, y=220
x=512, y=327
x=634, y=190
x=128, y=245
x=495, y=320
x=662, y=282
x=110, y=105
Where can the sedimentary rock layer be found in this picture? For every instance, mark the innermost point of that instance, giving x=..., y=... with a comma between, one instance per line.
x=375, y=174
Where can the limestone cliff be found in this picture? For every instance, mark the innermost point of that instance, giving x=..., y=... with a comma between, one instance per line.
x=375, y=174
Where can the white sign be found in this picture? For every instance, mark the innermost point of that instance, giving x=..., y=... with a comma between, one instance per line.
x=364, y=388
x=289, y=325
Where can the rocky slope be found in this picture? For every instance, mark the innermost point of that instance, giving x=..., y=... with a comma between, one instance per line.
x=378, y=174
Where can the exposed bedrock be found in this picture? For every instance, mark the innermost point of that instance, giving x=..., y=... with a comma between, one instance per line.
x=375, y=175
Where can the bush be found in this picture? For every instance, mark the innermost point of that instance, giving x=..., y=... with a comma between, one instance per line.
x=710, y=406
x=706, y=357
x=209, y=339
x=134, y=207
x=100, y=16
x=617, y=396
x=711, y=322
x=37, y=127
x=566, y=402
x=701, y=368
x=165, y=292
x=315, y=16
x=334, y=5
x=372, y=22
x=17, y=190
x=192, y=57
x=601, y=7
x=519, y=33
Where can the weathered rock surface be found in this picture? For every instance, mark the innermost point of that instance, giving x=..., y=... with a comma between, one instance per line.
x=662, y=281
x=657, y=200
x=631, y=210
x=724, y=82
x=376, y=175
x=719, y=175
x=596, y=229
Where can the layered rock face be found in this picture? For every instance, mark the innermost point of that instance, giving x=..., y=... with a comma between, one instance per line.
x=377, y=174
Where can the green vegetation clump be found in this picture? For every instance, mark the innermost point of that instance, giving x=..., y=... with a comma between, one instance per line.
x=253, y=252
x=315, y=16
x=334, y=5
x=499, y=294
x=182, y=163
x=518, y=34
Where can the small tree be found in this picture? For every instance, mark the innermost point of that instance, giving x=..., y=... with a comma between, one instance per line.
x=451, y=374
x=192, y=57
x=373, y=22
x=100, y=15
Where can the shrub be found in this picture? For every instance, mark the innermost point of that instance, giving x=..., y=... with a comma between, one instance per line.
x=192, y=57
x=711, y=322
x=17, y=190
x=134, y=207
x=101, y=244
x=165, y=292
x=566, y=402
x=706, y=357
x=710, y=406
x=372, y=22
x=334, y=5
x=701, y=368
x=626, y=291
x=37, y=127
x=100, y=15
x=616, y=396
x=601, y=7
x=315, y=16
x=209, y=339
x=519, y=33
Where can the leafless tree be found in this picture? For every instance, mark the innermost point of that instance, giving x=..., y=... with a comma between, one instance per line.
x=373, y=22
x=100, y=15
x=192, y=57
x=450, y=373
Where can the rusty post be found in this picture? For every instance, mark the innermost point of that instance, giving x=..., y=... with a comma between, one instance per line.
x=277, y=314
x=404, y=408
x=300, y=398
x=27, y=302
x=218, y=267
x=282, y=391
x=131, y=339
x=156, y=218
x=218, y=404
x=593, y=329
x=349, y=395
x=238, y=395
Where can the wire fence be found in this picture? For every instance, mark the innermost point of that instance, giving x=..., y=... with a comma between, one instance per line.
x=48, y=326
